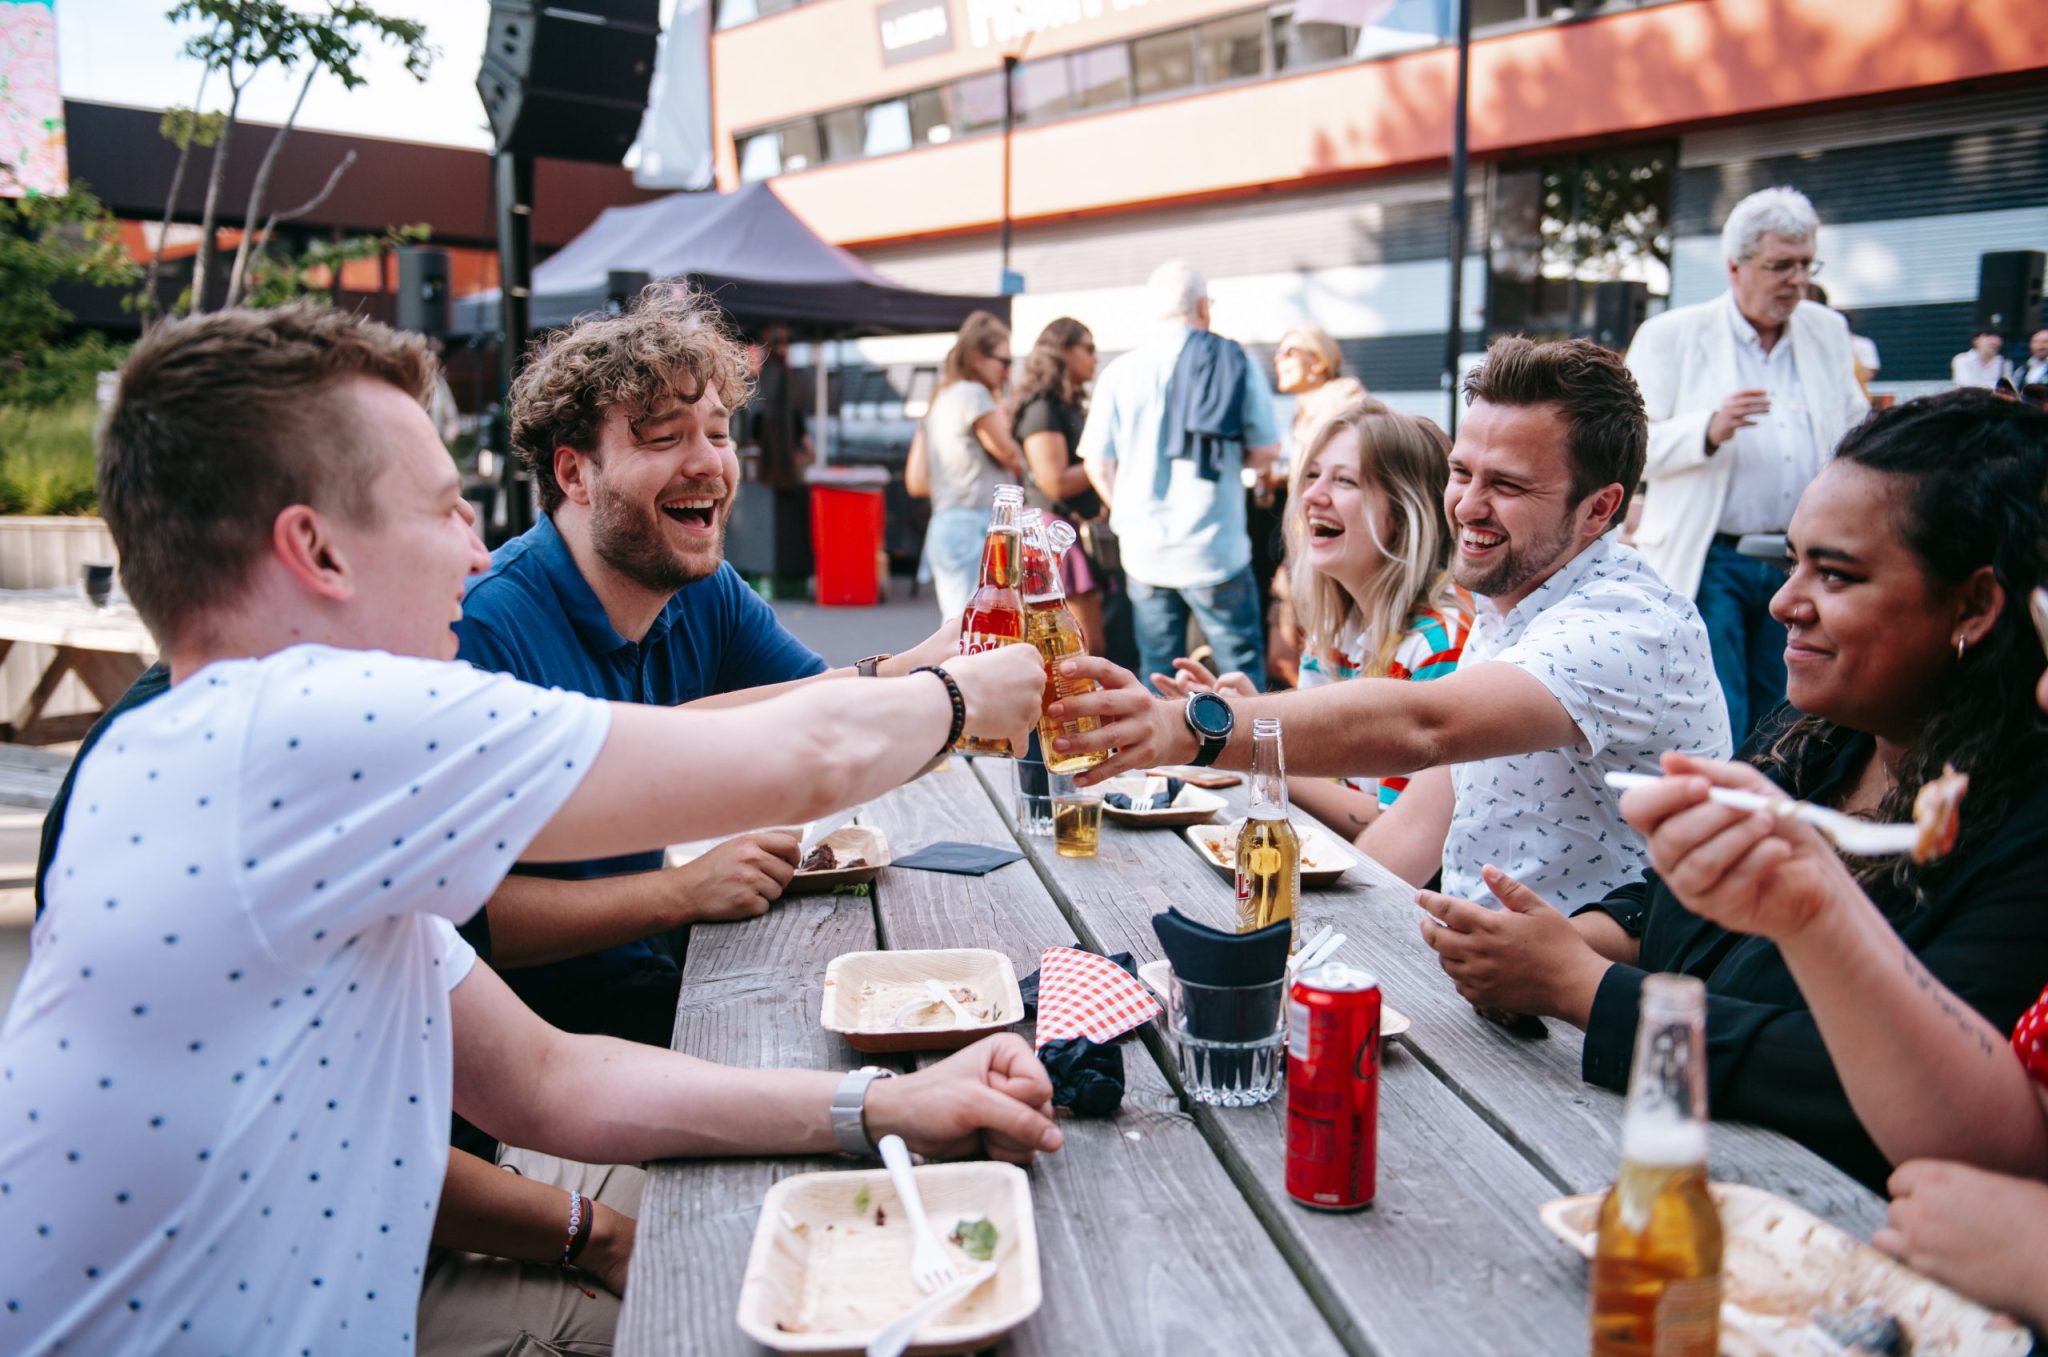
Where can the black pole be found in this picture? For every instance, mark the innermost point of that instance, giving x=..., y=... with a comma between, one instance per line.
x=1009, y=124
x=515, y=301
x=1454, y=336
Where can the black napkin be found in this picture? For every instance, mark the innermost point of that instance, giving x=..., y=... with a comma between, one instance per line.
x=1210, y=956
x=1159, y=800
x=965, y=859
x=1242, y=970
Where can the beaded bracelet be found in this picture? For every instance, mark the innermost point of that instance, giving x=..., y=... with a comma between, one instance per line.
x=580, y=1213
x=959, y=708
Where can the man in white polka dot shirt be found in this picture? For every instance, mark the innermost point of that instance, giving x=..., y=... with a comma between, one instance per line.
x=230, y=1064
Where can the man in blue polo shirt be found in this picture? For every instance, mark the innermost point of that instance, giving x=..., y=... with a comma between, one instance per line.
x=621, y=591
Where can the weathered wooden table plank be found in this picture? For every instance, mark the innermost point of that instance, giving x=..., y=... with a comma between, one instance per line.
x=751, y=996
x=1530, y=1091
x=1456, y=1211
x=1146, y=1245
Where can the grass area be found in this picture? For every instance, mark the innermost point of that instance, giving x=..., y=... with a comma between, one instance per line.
x=46, y=459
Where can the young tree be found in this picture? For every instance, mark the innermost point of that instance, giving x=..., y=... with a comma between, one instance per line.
x=184, y=128
x=238, y=40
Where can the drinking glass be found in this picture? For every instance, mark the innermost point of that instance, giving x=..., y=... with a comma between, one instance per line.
x=96, y=582
x=1034, y=796
x=1076, y=817
x=1230, y=1040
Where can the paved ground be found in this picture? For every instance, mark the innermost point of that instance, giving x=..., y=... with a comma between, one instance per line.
x=841, y=635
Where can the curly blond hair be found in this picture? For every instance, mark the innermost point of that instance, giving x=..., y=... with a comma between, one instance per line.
x=673, y=342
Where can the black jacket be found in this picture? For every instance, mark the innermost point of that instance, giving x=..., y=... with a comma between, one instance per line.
x=1982, y=931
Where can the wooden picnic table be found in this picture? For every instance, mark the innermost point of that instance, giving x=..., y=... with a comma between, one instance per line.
x=1166, y=1228
x=106, y=647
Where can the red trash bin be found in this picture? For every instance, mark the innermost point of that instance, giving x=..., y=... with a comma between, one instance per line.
x=846, y=533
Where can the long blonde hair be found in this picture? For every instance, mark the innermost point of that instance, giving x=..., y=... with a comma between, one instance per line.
x=1407, y=459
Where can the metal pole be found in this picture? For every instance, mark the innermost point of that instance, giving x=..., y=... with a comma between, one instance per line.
x=1009, y=125
x=1454, y=336
x=823, y=423
x=515, y=300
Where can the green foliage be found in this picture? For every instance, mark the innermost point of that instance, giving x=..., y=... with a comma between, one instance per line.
x=45, y=241
x=238, y=37
x=47, y=463
x=183, y=127
x=279, y=278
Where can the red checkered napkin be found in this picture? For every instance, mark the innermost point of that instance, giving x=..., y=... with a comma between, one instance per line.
x=1083, y=995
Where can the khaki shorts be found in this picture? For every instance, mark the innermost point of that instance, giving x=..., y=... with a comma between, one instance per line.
x=474, y=1306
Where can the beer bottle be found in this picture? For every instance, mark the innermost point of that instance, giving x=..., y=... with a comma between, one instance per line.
x=995, y=615
x=1051, y=625
x=1657, y=1267
x=1268, y=848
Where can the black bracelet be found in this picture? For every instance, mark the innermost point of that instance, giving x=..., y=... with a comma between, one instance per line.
x=959, y=708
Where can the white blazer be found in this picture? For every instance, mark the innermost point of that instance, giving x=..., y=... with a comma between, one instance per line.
x=1684, y=361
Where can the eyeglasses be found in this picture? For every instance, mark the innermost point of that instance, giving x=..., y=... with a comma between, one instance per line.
x=1002, y=358
x=1781, y=268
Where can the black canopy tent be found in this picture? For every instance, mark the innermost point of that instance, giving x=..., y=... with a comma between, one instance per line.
x=747, y=249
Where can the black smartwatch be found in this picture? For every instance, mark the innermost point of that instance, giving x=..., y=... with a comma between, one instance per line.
x=1212, y=720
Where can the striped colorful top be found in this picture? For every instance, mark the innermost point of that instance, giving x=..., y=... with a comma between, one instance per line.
x=1429, y=649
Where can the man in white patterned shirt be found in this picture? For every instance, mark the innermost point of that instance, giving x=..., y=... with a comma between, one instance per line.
x=247, y=1015
x=1581, y=661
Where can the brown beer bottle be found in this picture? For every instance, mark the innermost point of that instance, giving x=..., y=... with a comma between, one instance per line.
x=1051, y=625
x=1657, y=1266
x=995, y=615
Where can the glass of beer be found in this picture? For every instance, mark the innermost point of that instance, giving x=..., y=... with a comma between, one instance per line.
x=1076, y=818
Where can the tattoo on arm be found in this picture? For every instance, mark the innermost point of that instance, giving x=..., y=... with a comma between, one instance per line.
x=1966, y=1019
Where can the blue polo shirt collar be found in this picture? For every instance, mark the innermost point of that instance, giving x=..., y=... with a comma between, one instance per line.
x=580, y=602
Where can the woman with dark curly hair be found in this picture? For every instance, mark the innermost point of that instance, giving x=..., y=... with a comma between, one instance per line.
x=1051, y=401
x=1913, y=555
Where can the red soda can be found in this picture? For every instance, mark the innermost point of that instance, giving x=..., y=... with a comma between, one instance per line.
x=1333, y=1088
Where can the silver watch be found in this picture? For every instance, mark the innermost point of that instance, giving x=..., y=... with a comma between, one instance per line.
x=848, y=1127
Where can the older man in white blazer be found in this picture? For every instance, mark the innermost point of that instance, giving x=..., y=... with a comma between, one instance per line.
x=1747, y=396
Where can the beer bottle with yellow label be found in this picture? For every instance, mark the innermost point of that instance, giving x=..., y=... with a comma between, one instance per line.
x=1051, y=625
x=995, y=614
x=1268, y=847
x=1657, y=1266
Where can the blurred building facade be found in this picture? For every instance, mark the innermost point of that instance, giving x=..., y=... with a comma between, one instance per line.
x=1302, y=165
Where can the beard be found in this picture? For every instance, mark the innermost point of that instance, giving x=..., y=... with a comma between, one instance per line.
x=1516, y=566
x=628, y=536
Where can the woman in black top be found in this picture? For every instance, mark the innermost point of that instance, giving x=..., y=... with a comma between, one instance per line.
x=1913, y=554
x=1052, y=404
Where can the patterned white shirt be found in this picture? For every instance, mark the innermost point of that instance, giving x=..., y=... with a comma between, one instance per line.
x=1628, y=660
x=227, y=1074
x=1778, y=455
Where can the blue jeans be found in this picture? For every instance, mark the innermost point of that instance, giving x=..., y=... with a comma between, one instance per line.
x=1749, y=644
x=1228, y=612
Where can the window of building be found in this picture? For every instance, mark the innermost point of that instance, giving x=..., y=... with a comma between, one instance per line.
x=978, y=102
x=800, y=145
x=1497, y=13
x=1560, y=230
x=1101, y=76
x=1042, y=90
x=846, y=131
x=733, y=13
x=888, y=128
x=1299, y=46
x=760, y=156
x=1233, y=48
x=931, y=119
x=1164, y=62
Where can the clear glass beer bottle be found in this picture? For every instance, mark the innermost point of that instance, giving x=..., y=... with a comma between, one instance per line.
x=1268, y=847
x=1657, y=1266
x=995, y=614
x=1051, y=625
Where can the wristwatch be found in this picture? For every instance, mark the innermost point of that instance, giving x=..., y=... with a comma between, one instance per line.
x=848, y=1099
x=871, y=666
x=1212, y=720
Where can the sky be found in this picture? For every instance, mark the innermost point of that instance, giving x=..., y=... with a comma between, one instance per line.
x=127, y=52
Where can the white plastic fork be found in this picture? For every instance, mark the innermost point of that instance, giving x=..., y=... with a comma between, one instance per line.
x=929, y=1264
x=1858, y=837
x=896, y=1335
